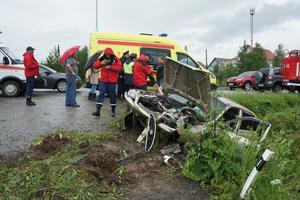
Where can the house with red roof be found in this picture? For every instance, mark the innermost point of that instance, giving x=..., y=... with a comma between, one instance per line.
x=268, y=54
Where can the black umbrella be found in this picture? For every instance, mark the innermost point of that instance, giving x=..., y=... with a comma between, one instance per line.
x=89, y=63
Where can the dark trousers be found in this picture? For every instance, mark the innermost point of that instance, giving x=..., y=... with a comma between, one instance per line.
x=127, y=87
x=71, y=90
x=110, y=89
x=29, y=86
x=143, y=87
x=120, y=91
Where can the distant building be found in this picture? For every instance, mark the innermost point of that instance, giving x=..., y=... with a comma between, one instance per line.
x=269, y=55
x=221, y=63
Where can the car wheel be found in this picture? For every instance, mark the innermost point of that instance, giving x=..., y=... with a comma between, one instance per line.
x=247, y=86
x=61, y=86
x=277, y=87
x=11, y=89
x=292, y=89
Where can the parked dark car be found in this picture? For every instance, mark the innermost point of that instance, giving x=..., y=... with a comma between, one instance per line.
x=51, y=79
x=271, y=79
x=245, y=80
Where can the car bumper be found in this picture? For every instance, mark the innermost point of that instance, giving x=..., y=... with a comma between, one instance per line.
x=233, y=85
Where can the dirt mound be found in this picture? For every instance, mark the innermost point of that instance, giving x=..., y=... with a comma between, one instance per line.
x=100, y=162
x=49, y=146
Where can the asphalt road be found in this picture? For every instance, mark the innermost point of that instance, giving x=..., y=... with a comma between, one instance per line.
x=20, y=124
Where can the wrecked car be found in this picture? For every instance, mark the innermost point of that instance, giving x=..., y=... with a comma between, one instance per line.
x=185, y=101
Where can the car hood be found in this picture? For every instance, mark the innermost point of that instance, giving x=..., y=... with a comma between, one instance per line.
x=188, y=81
x=234, y=78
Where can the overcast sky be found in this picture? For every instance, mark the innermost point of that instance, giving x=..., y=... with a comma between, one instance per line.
x=220, y=26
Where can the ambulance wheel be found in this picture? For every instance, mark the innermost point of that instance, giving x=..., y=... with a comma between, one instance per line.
x=11, y=89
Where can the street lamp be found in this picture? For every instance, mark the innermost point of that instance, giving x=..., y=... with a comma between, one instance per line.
x=252, y=12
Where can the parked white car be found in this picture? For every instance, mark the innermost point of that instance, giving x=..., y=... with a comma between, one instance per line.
x=12, y=78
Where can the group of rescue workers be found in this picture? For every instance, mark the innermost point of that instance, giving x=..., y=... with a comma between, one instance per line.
x=126, y=73
x=108, y=73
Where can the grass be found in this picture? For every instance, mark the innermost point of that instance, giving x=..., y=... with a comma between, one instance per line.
x=57, y=176
x=222, y=167
x=283, y=112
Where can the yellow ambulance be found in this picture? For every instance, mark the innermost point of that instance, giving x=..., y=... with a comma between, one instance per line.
x=151, y=45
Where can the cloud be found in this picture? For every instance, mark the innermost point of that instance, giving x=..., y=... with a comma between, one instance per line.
x=217, y=25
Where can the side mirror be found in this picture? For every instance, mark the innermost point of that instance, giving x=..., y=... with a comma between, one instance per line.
x=47, y=73
x=5, y=60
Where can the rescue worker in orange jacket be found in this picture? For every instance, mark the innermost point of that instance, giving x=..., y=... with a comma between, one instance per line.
x=31, y=71
x=141, y=71
x=110, y=65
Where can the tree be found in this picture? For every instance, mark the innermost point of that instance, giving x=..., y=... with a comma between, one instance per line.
x=279, y=56
x=52, y=60
x=82, y=56
x=54, y=55
x=225, y=72
x=253, y=60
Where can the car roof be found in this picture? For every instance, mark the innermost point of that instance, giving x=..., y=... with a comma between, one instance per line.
x=230, y=103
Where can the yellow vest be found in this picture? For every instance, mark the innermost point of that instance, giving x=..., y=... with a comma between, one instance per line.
x=128, y=68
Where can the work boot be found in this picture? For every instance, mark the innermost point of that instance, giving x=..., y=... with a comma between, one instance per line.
x=29, y=102
x=97, y=112
x=90, y=97
x=113, y=111
x=94, y=97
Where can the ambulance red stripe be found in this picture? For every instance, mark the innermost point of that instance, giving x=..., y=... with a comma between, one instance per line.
x=142, y=44
x=11, y=67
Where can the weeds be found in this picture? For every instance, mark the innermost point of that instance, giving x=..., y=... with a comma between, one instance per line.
x=222, y=166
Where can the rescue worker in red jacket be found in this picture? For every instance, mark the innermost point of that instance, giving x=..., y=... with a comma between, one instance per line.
x=141, y=71
x=31, y=71
x=110, y=65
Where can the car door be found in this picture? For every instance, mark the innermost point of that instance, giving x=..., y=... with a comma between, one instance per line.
x=246, y=129
x=5, y=69
x=41, y=81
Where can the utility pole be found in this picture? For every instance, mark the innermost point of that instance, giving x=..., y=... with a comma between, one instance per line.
x=206, y=58
x=97, y=29
x=252, y=12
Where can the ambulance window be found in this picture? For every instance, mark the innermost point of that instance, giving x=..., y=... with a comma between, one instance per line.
x=3, y=59
x=183, y=58
x=154, y=54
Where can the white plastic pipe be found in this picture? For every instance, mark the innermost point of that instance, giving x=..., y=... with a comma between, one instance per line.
x=264, y=158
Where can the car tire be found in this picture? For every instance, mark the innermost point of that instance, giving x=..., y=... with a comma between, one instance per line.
x=61, y=85
x=247, y=86
x=276, y=87
x=292, y=89
x=11, y=89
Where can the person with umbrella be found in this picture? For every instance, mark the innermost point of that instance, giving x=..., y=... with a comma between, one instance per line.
x=94, y=75
x=71, y=73
x=109, y=65
x=31, y=71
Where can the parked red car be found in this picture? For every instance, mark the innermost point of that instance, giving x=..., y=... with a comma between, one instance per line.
x=245, y=80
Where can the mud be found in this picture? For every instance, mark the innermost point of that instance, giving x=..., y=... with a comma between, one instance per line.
x=49, y=146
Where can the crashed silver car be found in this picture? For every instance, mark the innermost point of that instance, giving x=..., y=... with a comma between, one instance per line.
x=185, y=100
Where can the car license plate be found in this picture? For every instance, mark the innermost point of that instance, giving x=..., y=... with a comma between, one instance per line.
x=261, y=85
x=230, y=84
